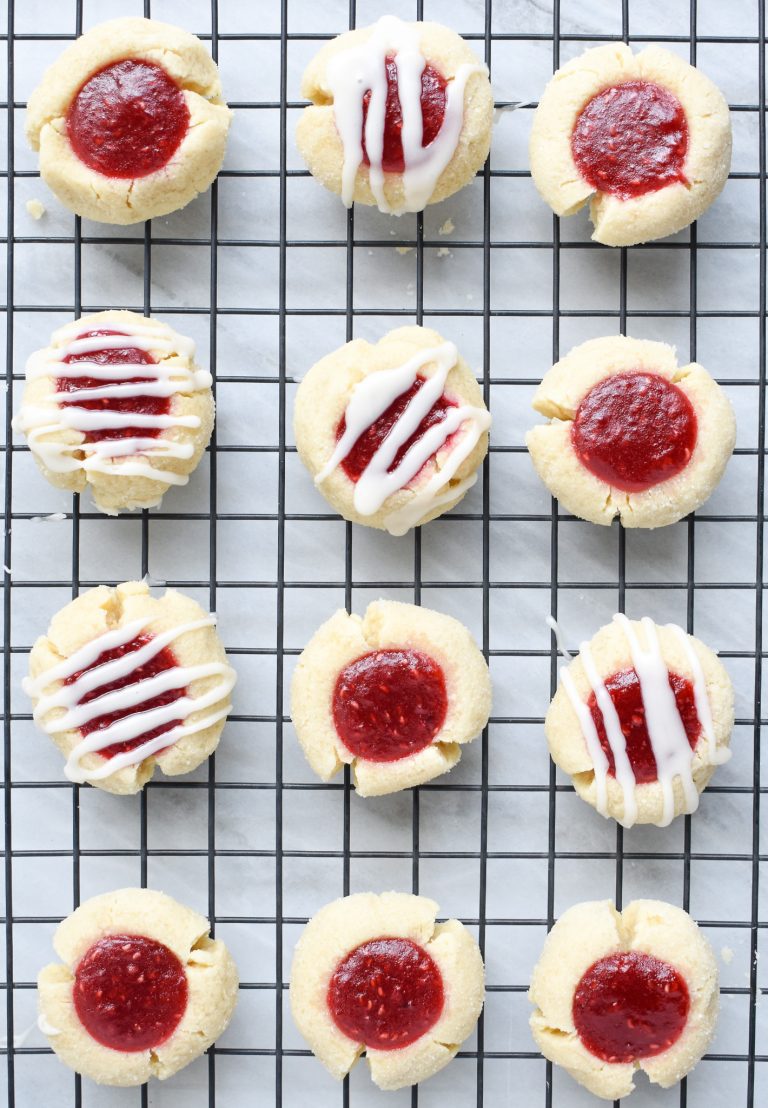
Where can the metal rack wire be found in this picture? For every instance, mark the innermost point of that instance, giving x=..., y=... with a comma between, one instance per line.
x=494, y=1074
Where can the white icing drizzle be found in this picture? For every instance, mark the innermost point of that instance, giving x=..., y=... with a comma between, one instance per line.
x=59, y=412
x=71, y=714
x=370, y=399
x=361, y=69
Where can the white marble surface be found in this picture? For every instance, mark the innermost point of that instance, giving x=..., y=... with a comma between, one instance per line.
x=520, y=348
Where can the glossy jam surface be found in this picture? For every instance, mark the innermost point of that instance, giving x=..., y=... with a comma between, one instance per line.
x=634, y=430
x=164, y=659
x=130, y=992
x=625, y=692
x=631, y=139
x=630, y=1005
x=433, y=86
x=142, y=405
x=386, y=993
x=128, y=119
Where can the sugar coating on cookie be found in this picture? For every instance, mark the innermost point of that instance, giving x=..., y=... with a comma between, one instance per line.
x=376, y=973
x=617, y=992
x=129, y=121
x=645, y=138
x=640, y=720
x=394, y=694
x=117, y=404
x=631, y=433
x=401, y=115
x=124, y=681
x=141, y=990
x=392, y=433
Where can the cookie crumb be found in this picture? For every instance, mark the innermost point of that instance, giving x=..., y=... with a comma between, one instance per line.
x=403, y=249
x=447, y=228
x=35, y=208
x=54, y=517
x=444, y=252
x=727, y=955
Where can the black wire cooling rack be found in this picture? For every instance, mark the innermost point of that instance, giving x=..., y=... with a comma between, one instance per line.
x=270, y=1065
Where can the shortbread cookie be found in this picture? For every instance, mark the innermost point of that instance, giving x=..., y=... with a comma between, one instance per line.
x=124, y=681
x=617, y=992
x=394, y=695
x=631, y=433
x=646, y=138
x=401, y=115
x=117, y=403
x=376, y=973
x=130, y=121
x=640, y=720
x=143, y=990
x=394, y=433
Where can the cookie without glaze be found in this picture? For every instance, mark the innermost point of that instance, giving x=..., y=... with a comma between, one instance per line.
x=194, y=163
x=586, y=495
x=197, y=693
x=594, y=930
x=654, y=214
x=389, y=625
x=211, y=978
x=341, y=927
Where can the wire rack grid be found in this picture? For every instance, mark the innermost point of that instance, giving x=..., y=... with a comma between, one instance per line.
x=503, y=843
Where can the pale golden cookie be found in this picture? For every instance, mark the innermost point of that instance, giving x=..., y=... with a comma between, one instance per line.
x=176, y=705
x=190, y=1008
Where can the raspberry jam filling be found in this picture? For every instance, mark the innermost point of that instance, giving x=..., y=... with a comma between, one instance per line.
x=625, y=692
x=433, y=94
x=389, y=704
x=164, y=659
x=629, y=1006
x=631, y=139
x=359, y=457
x=141, y=405
x=128, y=119
x=634, y=430
x=386, y=993
x=130, y=992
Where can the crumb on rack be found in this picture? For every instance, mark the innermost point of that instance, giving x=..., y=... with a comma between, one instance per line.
x=54, y=517
x=403, y=249
x=36, y=208
x=727, y=955
x=444, y=252
x=447, y=228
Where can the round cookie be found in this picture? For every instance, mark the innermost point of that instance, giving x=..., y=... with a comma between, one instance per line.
x=646, y=138
x=393, y=433
x=130, y=121
x=124, y=681
x=631, y=433
x=640, y=720
x=617, y=992
x=394, y=695
x=143, y=990
x=376, y=973
x=92, y=418
x=401, y=115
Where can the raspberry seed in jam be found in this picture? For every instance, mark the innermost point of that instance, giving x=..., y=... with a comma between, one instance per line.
x=433, y=95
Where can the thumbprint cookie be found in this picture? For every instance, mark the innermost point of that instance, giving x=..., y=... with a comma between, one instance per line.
x=392, y=433
x=141, y=989
x=376, y=973
x=401, y=115
x=631, y=433
x=640, y=720
x=129, y=121
x=618, y=992
x=123, y=681
x=117, y=403
x=645, y=138
x=394, y=694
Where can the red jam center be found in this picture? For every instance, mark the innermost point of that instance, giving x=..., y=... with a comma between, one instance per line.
x=164, y=659
x=433, y=86
x=629, y=1006
x=634, y=430
x=389, y=704
x=128, y=119
x=130, y=992
x=631, y=139
x=141, y=405
x=386, y=993
x=625, y=692
x=361, y=454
